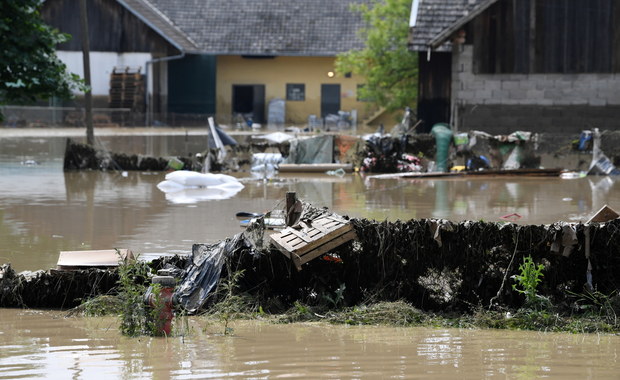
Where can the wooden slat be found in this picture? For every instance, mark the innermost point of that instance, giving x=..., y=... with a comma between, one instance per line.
x=312, y=240
x=301, y=234
x=318, y=242
x=323, y=249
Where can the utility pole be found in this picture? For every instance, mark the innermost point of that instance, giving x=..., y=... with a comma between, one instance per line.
x=88, y=95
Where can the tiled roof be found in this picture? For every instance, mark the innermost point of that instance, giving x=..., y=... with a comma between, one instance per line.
x=436, y=16
x=266, y=27
x=160, y=24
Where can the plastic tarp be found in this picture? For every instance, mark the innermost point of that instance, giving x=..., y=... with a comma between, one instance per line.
x=202, y=276
x=224, y=137
x=313, y=150
x=204, y=273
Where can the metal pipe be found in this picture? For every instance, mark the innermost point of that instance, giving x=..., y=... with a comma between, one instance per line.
x=149, y=103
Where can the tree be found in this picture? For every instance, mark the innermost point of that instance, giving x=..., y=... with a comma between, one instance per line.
x=390, y=68
x=29, y=67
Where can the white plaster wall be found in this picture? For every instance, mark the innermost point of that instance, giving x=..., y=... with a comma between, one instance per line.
x=529, y=89
x=101, y=66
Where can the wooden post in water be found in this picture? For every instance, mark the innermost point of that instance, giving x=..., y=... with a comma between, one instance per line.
x=293, y=209
x=88, y=94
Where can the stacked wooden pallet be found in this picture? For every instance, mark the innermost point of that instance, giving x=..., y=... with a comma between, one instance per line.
x=126, y=88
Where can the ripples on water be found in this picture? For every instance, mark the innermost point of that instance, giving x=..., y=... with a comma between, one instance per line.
x=44, y=211
x=47, y=345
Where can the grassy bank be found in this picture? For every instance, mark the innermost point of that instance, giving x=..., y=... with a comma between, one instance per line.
x=402, y=314
x=398, y=314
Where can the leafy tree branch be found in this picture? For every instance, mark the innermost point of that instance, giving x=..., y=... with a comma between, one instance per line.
x=29, y=67
x=389, y=67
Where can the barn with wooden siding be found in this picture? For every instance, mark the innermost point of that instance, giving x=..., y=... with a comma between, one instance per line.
x=131, y=46
x=229, y=58
x=506, y=65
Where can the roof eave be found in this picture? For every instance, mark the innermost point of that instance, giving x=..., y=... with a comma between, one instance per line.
x=169, y=39
x=270, y=53
x=439, y=39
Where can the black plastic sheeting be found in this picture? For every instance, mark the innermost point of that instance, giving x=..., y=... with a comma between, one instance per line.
x=204, y=272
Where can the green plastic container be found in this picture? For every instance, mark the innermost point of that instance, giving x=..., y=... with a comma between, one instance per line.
x=443, y=138
x=175, y=163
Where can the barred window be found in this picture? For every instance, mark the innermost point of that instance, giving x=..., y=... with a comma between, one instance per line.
x=295, y=91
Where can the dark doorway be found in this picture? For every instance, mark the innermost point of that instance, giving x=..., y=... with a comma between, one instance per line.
x=435, y=81
x=330, y=99
x=249, y=100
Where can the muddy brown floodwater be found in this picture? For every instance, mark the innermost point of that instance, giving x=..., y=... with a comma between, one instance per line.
x=44, y=211
x=47, y=345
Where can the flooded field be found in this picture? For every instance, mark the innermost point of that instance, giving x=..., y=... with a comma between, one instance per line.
x=44, y=211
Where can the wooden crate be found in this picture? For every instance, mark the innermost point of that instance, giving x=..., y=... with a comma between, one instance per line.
x=312, y=239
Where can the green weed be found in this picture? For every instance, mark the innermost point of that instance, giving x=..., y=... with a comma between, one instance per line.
x=530, y=275
x=231, y=304
x=133, y=277
x=598, y=304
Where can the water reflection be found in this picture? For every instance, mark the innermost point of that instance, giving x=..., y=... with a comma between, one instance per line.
x=45, y=344
x=44, y=211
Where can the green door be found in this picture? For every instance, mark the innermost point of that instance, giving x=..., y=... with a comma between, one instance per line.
x=191, y=84
x=330, y=99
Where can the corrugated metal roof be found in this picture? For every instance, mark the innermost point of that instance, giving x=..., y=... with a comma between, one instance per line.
x=437, y=16
x=266, y=27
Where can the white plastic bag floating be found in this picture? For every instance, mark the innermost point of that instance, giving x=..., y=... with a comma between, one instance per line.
x=188, y=178
x=194, y=195
x=183, y=186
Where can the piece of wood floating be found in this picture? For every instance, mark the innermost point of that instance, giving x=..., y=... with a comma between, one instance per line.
x=312, y=239
x=605, y=214
x=314, y=168
x=107, y=258
x=490, y=173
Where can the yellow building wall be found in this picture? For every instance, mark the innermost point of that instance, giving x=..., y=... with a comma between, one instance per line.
x=275, y=74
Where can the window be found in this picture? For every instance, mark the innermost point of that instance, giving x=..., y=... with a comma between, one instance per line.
x=295, y=91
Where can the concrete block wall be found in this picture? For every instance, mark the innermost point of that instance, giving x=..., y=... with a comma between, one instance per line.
x=532, y=89
x=567, y=96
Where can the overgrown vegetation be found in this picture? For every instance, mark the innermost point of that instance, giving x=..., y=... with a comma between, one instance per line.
x=594, y=312
x=98, y=307
x=403, y=314
x=132, y=284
